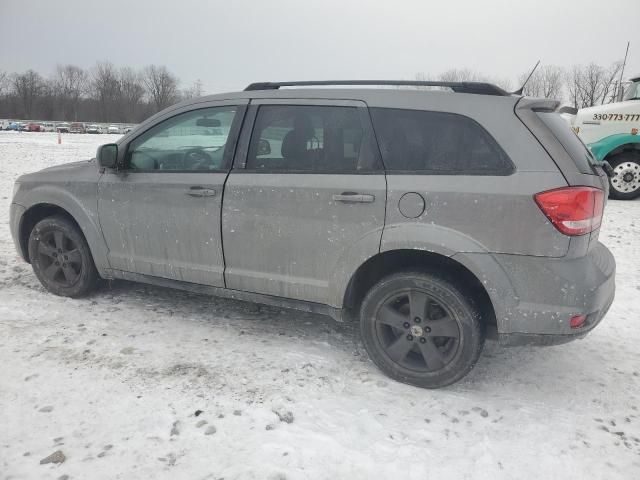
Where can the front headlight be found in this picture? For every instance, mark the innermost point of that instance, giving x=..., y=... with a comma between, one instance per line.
x=16, y=187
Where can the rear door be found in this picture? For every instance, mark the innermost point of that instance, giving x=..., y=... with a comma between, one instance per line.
x=160, y=213
x=305, y=202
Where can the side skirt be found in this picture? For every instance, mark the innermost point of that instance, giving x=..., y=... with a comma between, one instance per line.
x=312, y=307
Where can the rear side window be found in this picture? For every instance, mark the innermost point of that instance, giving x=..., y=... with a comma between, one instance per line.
x=437, y=143
x=569, y=140
x=303, y=138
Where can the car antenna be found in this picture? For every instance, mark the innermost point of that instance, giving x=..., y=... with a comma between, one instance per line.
x=521, y=89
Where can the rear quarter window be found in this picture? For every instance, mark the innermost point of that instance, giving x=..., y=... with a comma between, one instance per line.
x=437, y=143
x=569, y=141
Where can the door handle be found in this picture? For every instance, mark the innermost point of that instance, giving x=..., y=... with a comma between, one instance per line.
x=198, y=191
x=353, y=197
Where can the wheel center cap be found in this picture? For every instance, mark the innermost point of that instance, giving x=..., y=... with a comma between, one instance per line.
x=628, y=177
x=416, y=330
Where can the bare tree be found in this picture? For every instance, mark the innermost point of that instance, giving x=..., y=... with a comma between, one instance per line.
x=546, y=82
x=70, y=85
x=27, y=87
x=161, y=85
x=105, y=88
x=131, y=93
x=591, y=84
x=4, y=82
x=194, y=91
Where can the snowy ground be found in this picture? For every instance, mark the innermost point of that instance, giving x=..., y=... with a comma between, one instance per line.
x=114, y=381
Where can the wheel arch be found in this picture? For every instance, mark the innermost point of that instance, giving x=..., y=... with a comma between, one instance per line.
x=615, y=144
x=393, y=261
x=43, y=209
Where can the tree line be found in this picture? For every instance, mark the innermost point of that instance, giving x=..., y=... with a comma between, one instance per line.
x=579, y=85
x=104, y=93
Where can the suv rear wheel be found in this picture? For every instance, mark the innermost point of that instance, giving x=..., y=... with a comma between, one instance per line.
x=61, y=258
x=625, y=183
x=421, y=329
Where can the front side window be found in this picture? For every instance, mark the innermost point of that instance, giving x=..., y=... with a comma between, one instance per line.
x=310, y=138
x=194, y=140
x=436, y=142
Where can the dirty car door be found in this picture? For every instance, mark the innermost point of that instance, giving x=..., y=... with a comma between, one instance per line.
x=160, y=214
x=309, y=206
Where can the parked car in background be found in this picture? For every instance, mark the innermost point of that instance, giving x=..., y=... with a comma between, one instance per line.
x=113, y=129
x=76, y=127
x=14, y=126
x=34, y=127
x=62, y=127
x=436, y=218
x=128, y=128
x=49, y=127
x=93, y=128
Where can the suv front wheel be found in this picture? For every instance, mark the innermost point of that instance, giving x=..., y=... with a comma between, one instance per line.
x=421, y=329
x=61, y=258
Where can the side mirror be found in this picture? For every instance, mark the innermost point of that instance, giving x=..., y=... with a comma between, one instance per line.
x=107, y=155
x=264, y=147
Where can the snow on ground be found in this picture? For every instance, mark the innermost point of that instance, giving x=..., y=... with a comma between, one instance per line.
x=115, y=382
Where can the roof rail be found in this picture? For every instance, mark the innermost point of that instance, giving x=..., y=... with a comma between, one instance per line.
x=479, y=88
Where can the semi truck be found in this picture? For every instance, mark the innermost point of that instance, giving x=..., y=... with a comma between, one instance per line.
x=611, y=132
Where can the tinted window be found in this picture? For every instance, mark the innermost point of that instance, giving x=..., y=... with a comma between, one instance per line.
x=569, y=140
x=310, y=138
x=194, y=140
x=415, y=140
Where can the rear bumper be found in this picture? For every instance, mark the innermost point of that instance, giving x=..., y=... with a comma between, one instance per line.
x=549, y=291
x=15, y=217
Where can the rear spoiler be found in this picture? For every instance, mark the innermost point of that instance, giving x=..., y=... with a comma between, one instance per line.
x=537, y=104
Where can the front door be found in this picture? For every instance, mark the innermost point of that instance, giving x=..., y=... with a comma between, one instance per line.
x=160, y=213
x=305, y=201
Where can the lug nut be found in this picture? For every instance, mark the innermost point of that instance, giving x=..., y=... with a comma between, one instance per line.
x=417, y=319
x=423, y=340
x=427, y=329
x=57, y=263
x=406, y=325
x=409, y=337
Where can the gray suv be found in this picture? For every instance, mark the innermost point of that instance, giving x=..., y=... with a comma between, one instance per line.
x=437, y=217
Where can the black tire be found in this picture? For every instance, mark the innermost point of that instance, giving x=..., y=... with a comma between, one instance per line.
x=430, y=305
x=625, y=184
x=61, y=258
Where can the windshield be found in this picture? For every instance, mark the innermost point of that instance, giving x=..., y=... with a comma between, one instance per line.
x=633, y=91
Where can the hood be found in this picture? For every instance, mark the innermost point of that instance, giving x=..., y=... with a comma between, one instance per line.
x=85, y=170
x=69, y=166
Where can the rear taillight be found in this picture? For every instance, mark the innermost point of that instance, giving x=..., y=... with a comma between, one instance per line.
x=573, y=210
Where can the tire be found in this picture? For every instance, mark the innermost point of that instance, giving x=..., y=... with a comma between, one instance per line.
x=625, y=184
x=61, y=258
x=405, y=312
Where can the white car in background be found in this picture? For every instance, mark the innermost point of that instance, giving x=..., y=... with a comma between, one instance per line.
x=113, y=129
x=93, y=128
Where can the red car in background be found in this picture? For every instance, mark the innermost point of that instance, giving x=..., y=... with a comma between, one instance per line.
x=34, y=127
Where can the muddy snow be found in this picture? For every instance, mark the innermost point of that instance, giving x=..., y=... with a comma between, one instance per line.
x=144, y=382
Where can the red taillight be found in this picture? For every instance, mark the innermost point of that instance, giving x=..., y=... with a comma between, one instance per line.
x=573, y=210
x=577, y=321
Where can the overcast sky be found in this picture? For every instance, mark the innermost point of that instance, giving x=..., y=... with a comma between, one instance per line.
x=228, y=44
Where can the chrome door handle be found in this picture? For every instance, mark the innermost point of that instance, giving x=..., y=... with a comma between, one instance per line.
x=352, y=197
x=201, y=192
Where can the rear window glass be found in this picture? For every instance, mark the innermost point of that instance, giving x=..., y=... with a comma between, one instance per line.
x=569, y=140
x=437, y=143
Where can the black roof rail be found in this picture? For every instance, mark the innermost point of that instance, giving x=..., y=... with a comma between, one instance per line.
x=479, y=88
